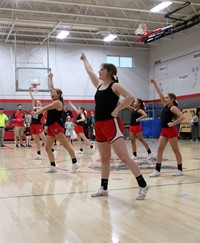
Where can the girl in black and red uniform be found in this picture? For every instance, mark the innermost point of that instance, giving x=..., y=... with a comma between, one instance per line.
x=108, y=126
x=37, y=130
x=135, y=129
x=79, y=127
x=55, y=127
x=170, y=117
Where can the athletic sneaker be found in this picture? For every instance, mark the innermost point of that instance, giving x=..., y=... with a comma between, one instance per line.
x=22, y=145
x=37, y=157
x=149, y=156
x=142, y=192
x=52, y=169
x=100, y=192
x=75, y=167
x=178, y=173
x=155, y=174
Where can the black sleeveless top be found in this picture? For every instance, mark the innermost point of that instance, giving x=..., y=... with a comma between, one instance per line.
x=166, y=116
x=36, y=119
x=78, y=118
x=106, y=101
x=134, y=115
x=54, y=116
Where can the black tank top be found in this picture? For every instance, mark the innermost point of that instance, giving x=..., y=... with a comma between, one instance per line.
x=36, y=119
x=134, y=115
x=106, y=102
x=54, y=116
x=78, y=118
x=166, y=116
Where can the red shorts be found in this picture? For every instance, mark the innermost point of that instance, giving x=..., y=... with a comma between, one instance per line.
x=109, y=130
x=169, y=132
x=135, y=129
x=78, y=129
x=36, y=129
x=54, y=129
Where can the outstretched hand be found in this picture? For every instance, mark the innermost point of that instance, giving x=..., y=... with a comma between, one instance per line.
x=50, y=75
x=82, y=57
x=153, y=81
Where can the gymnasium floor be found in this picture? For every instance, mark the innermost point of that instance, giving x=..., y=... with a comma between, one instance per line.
x=36, y=207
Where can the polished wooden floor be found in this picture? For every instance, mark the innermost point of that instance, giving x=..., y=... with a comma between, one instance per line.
x=36, y=207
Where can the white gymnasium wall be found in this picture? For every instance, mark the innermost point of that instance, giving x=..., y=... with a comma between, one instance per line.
x=179, y=70
x=68, y=70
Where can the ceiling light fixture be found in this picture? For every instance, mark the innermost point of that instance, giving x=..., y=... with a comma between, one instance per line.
x=109, y=37
x=160, y=6
x=62, y=34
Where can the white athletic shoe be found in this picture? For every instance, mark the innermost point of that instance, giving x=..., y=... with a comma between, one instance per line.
x=100, y=192
x=52, y=169
x=149, y=156
x=155, y=174
x=178, y=173
x=37, y=157
x=75, y=167
x=142, y=192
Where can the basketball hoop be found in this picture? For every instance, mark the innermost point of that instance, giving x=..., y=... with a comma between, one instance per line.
x=35, y=87
x=141, y=30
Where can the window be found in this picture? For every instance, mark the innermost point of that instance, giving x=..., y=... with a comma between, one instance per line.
x=124, y=62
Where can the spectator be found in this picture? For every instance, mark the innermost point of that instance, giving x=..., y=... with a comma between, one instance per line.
x=3, y=123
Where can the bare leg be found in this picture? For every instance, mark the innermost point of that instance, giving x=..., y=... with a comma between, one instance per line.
x=174, y=145
x=105, y=153
x=48, y=147
x=87, y=141
x=37, y=141
x=141, y=138
x=161, y=146
x=133, y=141
x=120, y=149
x=61, y=137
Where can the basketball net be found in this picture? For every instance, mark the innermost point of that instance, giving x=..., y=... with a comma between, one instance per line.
x=141, y=30
x=35, y=87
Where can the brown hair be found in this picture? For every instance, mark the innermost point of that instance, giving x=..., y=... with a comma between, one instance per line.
x=112, y=70
x=173, y=97
x=59, y=91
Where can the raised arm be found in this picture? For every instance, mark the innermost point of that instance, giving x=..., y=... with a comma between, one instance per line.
x=51, y=85
x=73, y=107
x=162, y=97
x=31, y=94
x=95, y=80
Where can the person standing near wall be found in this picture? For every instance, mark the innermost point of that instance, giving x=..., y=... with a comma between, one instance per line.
x=65, y=113
x=170, y=117
x=18, y=119
x=55, y=127
x=135, y=129
x=3, y=123
x=108, y=126
x=194, y=122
